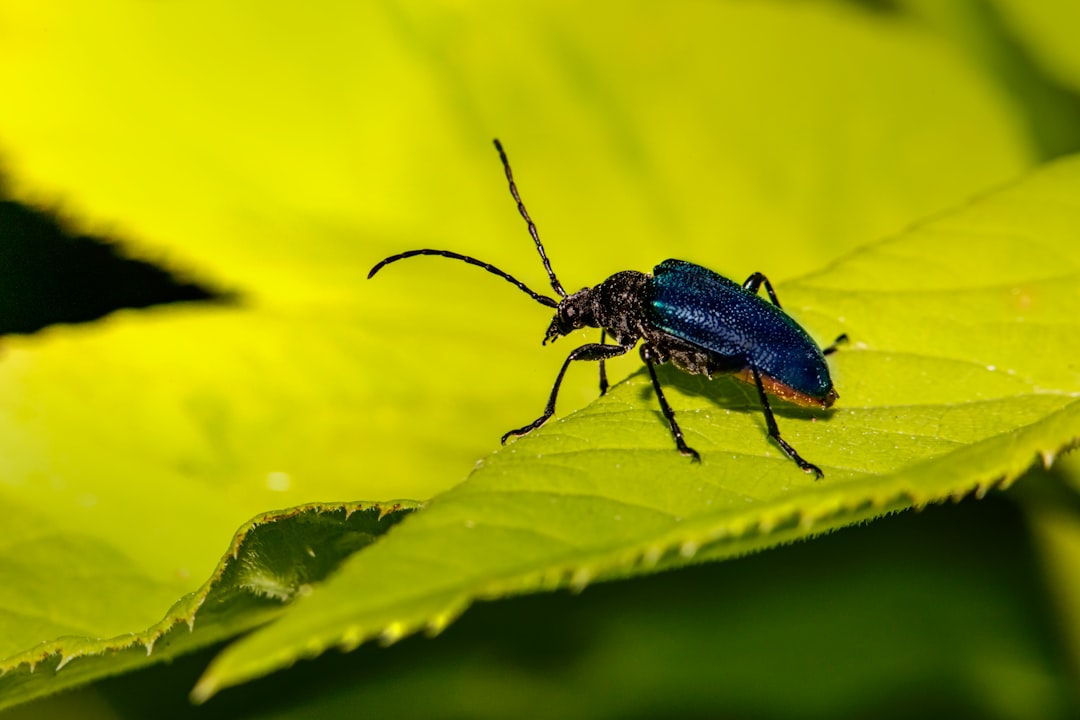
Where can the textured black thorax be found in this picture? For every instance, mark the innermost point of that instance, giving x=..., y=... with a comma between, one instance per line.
x=615, y=306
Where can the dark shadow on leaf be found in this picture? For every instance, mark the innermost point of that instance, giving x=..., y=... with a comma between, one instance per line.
x=50, y=274
x=725, y=392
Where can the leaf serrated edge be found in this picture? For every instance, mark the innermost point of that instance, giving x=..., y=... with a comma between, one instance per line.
x=799, y=517
x=185, y=609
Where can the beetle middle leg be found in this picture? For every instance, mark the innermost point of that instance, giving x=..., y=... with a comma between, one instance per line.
x=755, y=281
x=774, y=431
x=648, y=354
x=592, y=351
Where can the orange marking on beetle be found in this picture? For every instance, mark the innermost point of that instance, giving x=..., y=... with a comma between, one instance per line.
x=786, y=392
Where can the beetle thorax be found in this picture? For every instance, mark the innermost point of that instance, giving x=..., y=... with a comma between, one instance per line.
x=614, y=305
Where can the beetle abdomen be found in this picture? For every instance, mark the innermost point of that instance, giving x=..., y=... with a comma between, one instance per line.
x=700, y=307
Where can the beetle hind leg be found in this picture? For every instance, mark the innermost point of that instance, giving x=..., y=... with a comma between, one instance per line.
x=774, y=430
x=841, y=339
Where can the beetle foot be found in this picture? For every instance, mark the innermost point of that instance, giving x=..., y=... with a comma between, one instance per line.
x=690, y=452
x=525, y=430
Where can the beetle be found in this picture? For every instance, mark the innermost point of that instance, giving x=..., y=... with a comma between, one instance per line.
x=685, y=314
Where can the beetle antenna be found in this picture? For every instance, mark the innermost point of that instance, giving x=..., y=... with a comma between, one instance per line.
x=532, y=226
x=542, y=299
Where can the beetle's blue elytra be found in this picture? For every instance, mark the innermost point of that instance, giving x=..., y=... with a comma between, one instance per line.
x=684, y=314
x=701, y=307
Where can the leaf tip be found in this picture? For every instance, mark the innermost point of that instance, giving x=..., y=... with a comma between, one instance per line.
x=437, y=624
x=689, y=549
x=350, y=639
x=391, y=633
x=581, y=579
x=205, y=689
x=64, y=660
x=1048, y=458
x=652, y=556
x=149, y=643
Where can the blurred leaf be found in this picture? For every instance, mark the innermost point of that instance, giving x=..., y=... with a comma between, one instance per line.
x=1053, y=508
x=1016, y=43
x=272, y=559
x=1048, y=29
x=956, y=383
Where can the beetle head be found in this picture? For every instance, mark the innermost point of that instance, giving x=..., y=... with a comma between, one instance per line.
x=574, y=312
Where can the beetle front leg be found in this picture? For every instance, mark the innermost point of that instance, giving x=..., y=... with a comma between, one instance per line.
x=603, y=373
x=592, y=351
x=774, y=431
x=648, y=354
x=755, y=281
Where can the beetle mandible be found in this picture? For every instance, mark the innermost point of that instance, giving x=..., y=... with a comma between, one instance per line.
x=684, y=314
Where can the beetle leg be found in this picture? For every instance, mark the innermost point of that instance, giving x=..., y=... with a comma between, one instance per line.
x=592, y=351
x=648, y=354
x=774, y=431
x=603, y=373
x=832, y=348
x=755, y=281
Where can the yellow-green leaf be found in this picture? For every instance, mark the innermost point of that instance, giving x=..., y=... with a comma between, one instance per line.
x=277, y=150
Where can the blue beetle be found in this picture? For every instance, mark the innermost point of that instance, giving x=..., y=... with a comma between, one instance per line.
x=687, y=315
